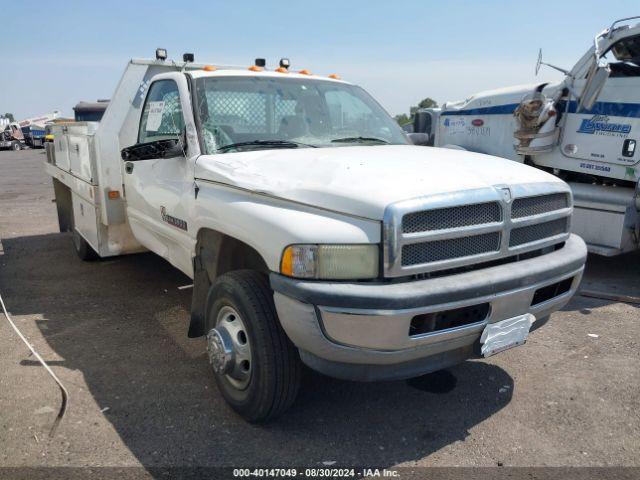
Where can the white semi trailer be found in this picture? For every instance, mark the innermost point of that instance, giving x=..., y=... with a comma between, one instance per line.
x=584, y=129
x=313, y=230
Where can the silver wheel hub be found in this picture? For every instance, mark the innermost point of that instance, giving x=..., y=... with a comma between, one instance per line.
x=228, y=348
x=220, y=351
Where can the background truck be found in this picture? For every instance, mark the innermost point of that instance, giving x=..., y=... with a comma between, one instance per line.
x=11, y=137
x=90, y=111
x=313, y=230
x=34, y=135
x=29, y=132
x=583, y=129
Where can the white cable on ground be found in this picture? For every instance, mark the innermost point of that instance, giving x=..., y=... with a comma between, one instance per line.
x=63, y=390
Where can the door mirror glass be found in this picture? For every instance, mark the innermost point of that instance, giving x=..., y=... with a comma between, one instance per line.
x=422, y=122
x=419, y=138
x=597, y=77
x=169, y=148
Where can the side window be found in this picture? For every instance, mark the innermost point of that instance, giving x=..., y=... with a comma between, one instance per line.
x=627, y=57
x=162, y=114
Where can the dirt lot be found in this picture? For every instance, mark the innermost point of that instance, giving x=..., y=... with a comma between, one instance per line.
x=142, y=395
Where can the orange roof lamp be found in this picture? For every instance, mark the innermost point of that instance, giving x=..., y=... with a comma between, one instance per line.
x=304, y=72
x=334, y=76
x=284, y=66
x=209, y=68
x=258, y=65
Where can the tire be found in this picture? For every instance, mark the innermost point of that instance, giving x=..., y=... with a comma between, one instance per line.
x=272, y=378
x=82, y=248
x=15, y=146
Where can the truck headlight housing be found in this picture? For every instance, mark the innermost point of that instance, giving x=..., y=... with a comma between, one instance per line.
x=330, y=262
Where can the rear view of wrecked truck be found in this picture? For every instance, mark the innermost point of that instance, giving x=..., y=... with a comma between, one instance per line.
x=313, y=231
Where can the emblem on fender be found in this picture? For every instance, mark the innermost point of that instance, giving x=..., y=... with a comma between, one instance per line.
x=176, y=222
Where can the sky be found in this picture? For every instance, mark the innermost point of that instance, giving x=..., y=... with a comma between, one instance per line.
x=399, y=51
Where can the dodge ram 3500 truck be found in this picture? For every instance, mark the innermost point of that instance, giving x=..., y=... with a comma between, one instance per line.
x=313, y=230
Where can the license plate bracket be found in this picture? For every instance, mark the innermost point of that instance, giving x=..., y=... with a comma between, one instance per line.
x=505, y=334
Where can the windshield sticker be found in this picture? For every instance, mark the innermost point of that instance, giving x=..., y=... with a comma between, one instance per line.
x=154, y=119
x=599, y=125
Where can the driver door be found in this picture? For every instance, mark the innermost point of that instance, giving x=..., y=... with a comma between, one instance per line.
x=605, y=136
x=159, y=186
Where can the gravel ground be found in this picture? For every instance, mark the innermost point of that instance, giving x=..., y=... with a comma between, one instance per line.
x=141, y=394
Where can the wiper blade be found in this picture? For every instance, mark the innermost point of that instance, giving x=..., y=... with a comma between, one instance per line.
x=266, y=143
x=358, y=140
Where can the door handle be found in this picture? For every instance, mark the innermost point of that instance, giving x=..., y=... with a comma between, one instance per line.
x=128, y=167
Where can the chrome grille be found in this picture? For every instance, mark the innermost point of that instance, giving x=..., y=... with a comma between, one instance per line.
x=528, y=206
x=451, y=217
x=448, y=231
x=438, y=250
x=537, y=231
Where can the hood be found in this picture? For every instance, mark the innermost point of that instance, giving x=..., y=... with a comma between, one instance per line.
x=509, y=96
x=363, y=180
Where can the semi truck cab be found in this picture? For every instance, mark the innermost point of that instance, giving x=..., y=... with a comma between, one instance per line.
x=583, y=129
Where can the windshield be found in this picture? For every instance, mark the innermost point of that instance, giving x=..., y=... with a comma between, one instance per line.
x=627, y=50
x=246, y=113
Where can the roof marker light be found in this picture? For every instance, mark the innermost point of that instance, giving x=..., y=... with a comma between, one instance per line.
x=304, y=72
x=209, y=68
x=334, y=76
x=282, y=70
x=255, y=68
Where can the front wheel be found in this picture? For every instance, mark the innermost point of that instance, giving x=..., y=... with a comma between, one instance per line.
x=15, y=146
x=255, y=365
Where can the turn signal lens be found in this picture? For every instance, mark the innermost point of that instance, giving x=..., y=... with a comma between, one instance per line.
x=330, y=262
x=114, y=194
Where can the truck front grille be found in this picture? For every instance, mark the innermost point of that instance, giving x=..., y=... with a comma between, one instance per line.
x=537, y=232
x=529, y=206
x=438, y=250
x=425, y=236
x=451, y=217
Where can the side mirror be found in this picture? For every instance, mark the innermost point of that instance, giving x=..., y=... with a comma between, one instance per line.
x=597, y=77
x=422, y=122
x=170, y=148
x=419, y=138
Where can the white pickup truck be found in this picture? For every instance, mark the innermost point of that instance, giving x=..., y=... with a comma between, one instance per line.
x=313, y=230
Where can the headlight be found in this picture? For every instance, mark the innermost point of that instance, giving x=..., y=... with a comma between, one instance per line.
x=330, y=262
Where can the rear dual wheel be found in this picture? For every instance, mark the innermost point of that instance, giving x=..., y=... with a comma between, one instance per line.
x=82, y=247
x=255, y=365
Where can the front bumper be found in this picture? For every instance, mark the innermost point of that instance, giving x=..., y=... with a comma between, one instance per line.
x=360, y=331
